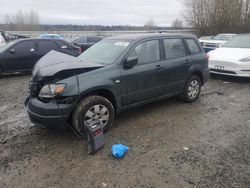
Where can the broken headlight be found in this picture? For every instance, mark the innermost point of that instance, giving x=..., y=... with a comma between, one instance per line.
x=51, y=90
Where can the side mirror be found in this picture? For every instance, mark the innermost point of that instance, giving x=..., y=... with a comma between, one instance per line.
x=130, y=62
x=12, y=51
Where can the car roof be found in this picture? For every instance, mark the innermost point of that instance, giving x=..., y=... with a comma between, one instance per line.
x=29, y=39
x=136, y=37
x=247, y=34
x=227, y=34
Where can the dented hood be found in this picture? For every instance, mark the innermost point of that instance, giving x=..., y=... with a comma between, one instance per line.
x=55, y=62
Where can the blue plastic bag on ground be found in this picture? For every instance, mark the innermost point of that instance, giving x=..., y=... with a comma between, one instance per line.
x=119, y=151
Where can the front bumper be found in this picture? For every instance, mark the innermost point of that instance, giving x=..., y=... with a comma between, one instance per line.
x=243, y=74
x=49, y=115
x=229, y=68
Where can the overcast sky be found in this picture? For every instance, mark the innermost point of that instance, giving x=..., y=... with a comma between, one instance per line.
x=103, y=12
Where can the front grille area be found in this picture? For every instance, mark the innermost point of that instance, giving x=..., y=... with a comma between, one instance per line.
x=210, y=45
x=223, y=71
x=34, y=88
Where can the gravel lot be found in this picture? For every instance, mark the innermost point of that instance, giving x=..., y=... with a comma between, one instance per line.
x=172, y=144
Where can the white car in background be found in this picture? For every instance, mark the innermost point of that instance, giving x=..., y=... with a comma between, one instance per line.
x=215, y=42
x=233, y=58
x=2, y=40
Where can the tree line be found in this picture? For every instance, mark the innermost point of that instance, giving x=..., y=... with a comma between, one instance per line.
x=210, y=17
x=23, y=20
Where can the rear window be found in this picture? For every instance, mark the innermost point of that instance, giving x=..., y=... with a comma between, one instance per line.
x=193, y=46
x=174, y=48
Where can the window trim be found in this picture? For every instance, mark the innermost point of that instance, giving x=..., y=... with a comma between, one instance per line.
x=142, y=41
x=164, y=51
x=190, y=53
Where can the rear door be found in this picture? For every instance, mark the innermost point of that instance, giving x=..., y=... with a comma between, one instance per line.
x=146, y=79
x=45, y=46
x=196, y=54
x=177, y=63
x=21, y=56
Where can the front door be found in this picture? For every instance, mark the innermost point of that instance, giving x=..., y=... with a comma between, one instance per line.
x=22, y=56
x=146, y=79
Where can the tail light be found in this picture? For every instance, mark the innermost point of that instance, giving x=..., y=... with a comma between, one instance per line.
x=207, y=57
x=79, y=49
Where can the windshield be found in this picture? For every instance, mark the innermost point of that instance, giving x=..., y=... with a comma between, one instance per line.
x=104, y=52
x=241, y=41
x=6, y=46
x=222, y=37
x=206, y=38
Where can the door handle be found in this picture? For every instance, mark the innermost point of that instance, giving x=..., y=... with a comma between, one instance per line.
x=159, y=68
x=32, y=51
x=188, y=61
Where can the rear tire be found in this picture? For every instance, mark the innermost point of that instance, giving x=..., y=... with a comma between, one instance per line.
x=93, y=109
x=192, y=89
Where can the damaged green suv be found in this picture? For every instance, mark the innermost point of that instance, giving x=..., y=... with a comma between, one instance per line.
x=115, y=74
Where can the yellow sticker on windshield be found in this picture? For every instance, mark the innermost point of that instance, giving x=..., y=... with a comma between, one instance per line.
x=125, y=44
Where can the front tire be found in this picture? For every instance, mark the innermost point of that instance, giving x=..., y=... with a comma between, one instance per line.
x=192, y=89
x=91, y=110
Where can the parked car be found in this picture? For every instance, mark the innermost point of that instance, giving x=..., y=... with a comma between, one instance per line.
x=233, y=58
x=84, y=42
x=11, y=37
x=216, y=42
x=50, y=36
x=205, y=38
x=2, y=40
x=22, y=55
x=115, y=74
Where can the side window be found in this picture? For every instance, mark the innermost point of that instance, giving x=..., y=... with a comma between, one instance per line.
x=93, y=39
x=174, y=48
x=147, y=52
x=193, y=46
x=64, y=45
x=47, y=46
x=81, y=40
x=24, y=48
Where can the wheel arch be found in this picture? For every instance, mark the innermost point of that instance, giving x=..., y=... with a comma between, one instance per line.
x=199, y=74
x=106, y=93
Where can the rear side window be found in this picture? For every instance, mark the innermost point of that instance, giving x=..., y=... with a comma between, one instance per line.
x=193, y=46
x=65, y=45
x=81, y=40
x=93, y=39
x=147, y=52
x=174, y=48
x=47, y=46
